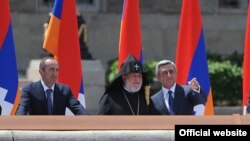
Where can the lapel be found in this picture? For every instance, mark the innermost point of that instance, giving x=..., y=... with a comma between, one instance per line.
x=39, y=91
x=162, y=105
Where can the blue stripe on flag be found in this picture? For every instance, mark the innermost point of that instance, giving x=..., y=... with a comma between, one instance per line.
x=8, y=71
x=57, y=11
x=199, y=66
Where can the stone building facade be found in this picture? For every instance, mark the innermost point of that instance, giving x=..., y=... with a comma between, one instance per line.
x=224, y=24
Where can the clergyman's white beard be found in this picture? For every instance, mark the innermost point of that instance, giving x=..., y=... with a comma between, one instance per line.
x=132, y=88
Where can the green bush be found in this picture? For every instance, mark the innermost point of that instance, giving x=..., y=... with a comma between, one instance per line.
x=112, y=71
x=226, y=82
x=234, y=58
x=149, y=68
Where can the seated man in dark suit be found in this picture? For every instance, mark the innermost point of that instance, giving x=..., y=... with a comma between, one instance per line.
x=174, y=99
x=46, y=97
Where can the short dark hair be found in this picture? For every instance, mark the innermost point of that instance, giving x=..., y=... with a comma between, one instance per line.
x=161, y=63
x=42, y=63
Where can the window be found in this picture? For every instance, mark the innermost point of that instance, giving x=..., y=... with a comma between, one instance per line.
x=229, y=3
x=82, y=5
x=85, y=1
x=88, y=5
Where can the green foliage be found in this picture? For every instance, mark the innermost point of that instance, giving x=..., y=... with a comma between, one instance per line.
x=226, y=82
x=112, y=71
x=226, y=78
x=234, y=58
x=149, y=68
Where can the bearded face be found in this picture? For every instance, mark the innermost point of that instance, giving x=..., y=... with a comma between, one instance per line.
x=133, y=81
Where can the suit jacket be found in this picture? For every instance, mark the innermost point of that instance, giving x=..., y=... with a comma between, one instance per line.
x=184, y=101
x=33, y=101
x=0, y=110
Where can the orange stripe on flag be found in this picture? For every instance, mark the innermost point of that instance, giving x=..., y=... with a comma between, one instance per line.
x=52, y=36
x=15, y=105
x=209, y=110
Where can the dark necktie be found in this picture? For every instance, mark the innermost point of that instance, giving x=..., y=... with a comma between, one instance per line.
x=171, y=102
x=49, y=101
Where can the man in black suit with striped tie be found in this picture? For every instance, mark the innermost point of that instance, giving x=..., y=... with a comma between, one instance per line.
x=46, y=97
x=175, y=99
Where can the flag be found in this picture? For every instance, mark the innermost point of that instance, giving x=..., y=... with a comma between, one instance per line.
x=130, y=32
x=246, y=66
x=191, y=58
x=62, y=41
x=8, y=73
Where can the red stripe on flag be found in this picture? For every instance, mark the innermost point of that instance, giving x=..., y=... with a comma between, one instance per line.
x=130, y=32
x=69, y=49
x=5, y=19
x=246, y=63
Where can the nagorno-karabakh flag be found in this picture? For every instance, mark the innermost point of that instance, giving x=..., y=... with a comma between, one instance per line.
x=130, y=32
x=62, y=41
x=191, y=58
x=8, y=72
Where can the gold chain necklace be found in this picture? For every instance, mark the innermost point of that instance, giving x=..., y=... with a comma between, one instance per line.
x=138, y=106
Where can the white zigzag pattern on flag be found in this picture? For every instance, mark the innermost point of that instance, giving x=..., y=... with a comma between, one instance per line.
x=81, y=99
x=6, y=106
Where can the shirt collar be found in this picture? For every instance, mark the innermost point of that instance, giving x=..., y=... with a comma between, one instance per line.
x=46, y=87
x=165, y=90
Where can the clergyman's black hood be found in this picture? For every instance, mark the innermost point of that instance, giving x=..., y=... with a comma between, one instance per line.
x=130, y=65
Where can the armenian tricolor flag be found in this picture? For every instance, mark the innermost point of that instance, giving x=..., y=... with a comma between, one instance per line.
x=62, y=41
x=191, y=58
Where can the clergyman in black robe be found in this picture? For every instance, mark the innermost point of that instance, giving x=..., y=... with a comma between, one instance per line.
x=126, y=94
